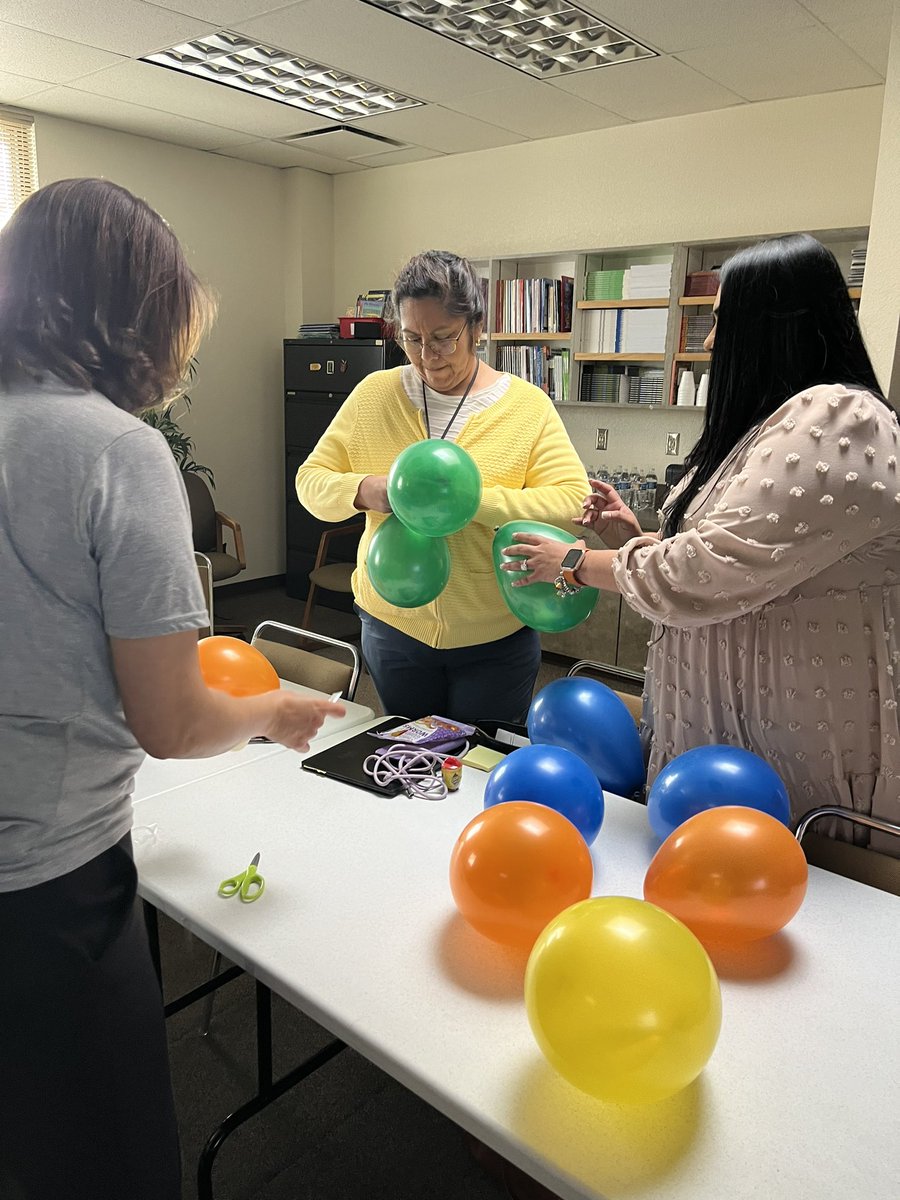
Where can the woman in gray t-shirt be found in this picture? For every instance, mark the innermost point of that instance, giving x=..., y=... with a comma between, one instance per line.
x=100, y=603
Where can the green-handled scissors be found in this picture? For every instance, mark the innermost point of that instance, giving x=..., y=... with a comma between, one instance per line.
x=249, y=884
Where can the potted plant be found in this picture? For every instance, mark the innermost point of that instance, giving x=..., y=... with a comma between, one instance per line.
x=180, y=443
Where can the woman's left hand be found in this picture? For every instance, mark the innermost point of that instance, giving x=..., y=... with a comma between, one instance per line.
x=540, y=556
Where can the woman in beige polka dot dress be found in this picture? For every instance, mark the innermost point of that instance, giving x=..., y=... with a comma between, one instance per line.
x=775, y=582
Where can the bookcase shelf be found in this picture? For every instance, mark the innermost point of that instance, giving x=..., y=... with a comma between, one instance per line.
x=684, y=357
x=647, y=302
x=531, y=337
x=686, y=301
x=622, y=358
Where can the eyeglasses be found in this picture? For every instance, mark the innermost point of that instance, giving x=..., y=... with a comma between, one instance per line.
x=445, y=347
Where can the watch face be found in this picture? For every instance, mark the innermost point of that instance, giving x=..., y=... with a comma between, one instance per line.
x=572, y=559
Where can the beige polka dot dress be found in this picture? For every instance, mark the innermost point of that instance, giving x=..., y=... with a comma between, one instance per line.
x=777, y=606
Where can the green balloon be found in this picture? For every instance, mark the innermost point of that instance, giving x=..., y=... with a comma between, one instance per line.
x=405, y=568
x=539, y=605
x=434, y=487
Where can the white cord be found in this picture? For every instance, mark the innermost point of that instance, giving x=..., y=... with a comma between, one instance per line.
x=417, y=771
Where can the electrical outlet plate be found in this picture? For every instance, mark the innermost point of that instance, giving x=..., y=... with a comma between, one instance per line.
x=672, y=441
x=602, y=439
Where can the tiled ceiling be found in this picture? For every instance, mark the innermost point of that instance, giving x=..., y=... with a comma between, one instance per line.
x=80, y=60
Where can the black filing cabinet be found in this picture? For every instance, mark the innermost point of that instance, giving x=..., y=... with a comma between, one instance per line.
x=318, y=377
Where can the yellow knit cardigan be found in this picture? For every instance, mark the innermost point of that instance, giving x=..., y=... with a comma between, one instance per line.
x=529, y=469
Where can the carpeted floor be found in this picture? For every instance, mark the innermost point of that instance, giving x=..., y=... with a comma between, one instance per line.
x=349, y=1132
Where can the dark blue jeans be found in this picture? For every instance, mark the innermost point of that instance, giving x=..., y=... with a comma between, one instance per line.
x=491, y=681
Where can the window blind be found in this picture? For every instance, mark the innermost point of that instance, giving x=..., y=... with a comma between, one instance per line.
x=18, y=162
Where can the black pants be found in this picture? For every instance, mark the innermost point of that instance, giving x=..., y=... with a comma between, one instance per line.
x=491, y=681
x=86, y=1109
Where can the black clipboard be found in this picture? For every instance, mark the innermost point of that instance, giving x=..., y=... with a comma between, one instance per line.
x=344, y=761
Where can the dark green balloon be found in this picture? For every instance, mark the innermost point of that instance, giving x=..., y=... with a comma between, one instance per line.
x=538, y=605
x=405, y=568
x=434, y=487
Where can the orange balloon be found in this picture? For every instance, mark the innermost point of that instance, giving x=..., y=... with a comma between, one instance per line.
x=731, y=874
x=230, y=665
x=515, y=867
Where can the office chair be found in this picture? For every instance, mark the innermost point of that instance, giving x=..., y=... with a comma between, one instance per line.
x=843, y=858
x=204, y=567
x=330, y=577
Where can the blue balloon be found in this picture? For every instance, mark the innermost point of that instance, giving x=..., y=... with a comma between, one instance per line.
x=712, y=776
x=588, y=718
x=553, y=777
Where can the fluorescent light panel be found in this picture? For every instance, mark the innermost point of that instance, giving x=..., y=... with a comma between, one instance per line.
x=281, y=75
x=543, y=38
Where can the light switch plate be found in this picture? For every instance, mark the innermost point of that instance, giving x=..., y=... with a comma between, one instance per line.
x=672, y=441
x=602, y=439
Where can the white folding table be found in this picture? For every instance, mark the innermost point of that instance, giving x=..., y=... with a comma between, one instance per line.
x=357, y=928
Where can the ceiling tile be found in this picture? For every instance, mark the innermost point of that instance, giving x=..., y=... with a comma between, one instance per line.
x=440, y=129
x=200, y=99
x=218, y=13
x=345, y=144
x=535, y=110
x=39, y=56
x=394, y=157
x=17, y=87
x=648, y=89
x=870, y=39
x=797, y=64
x=380, y=47
x=278, y=154
x=843, y=12
x=133, y=118
x=127, y=27
x=669, y=26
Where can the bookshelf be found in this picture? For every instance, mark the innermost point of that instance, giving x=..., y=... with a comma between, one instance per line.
x=546, y=354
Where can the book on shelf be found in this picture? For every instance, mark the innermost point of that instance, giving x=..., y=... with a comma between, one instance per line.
x=621, y=384
x=694, y=332
x=701, y=283
x=624, y=330
x=547, y=367
x=857, y=267
x=640, y=282
x=534, y=305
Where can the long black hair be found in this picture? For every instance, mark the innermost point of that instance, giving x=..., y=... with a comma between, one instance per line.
x=785, y=323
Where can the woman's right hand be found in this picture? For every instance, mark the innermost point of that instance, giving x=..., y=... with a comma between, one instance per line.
x=294, y=720
x=608, y=515
x=371, y=495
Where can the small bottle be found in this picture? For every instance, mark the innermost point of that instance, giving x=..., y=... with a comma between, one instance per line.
x=702, y=390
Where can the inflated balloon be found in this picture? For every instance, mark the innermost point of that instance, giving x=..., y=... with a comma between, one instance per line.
x=732, y=875
x=539, y=605
x=434, y=487
x=710, y=776
x=406, y=568
x=553, y=776
x=230, y=665
x=588, y=718
x=623, y=1000
x=515, y=867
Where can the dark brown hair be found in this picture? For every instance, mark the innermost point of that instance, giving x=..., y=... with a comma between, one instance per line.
x=96, y=290
x=442, y=276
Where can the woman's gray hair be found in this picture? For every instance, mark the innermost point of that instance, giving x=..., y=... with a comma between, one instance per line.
x=443, y=276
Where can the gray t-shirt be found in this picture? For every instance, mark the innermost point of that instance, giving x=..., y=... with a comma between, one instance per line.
x=95, y=542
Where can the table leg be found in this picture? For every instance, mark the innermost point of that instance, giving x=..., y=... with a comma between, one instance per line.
x=151, y=919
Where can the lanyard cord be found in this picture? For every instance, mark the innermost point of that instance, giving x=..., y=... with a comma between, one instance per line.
x=458, y=407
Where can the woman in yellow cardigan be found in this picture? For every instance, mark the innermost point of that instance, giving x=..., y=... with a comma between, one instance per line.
x=464, y=655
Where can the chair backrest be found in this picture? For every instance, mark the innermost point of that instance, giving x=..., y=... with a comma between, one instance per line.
x=203, y=512
x=299, y=665
x=634, y=704
x=204, y=566
x=843, y=858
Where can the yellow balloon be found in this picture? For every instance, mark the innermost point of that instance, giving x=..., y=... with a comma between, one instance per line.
x=623, y=1000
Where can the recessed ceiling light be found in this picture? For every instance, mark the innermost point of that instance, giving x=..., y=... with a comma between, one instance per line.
x=543, y=38
x=238, y=62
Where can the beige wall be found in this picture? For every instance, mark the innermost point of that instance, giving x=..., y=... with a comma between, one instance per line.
x=806, y=163
x=229, y=216
x=879, y=309
x=308, y=243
